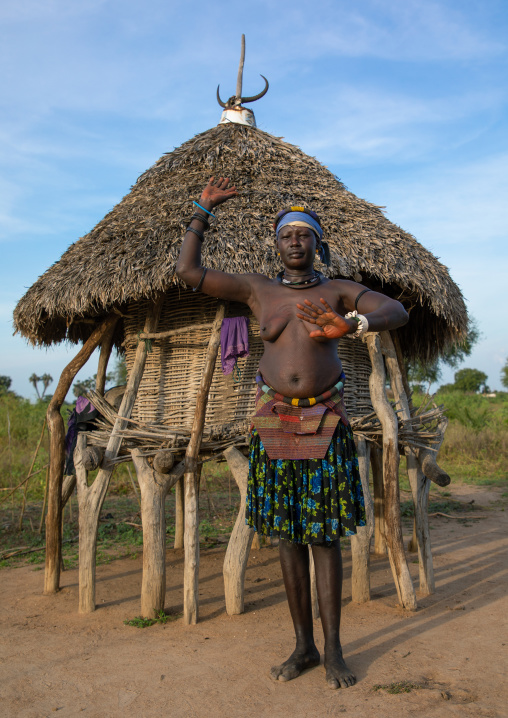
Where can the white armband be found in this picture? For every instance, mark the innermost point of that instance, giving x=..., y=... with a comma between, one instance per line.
x=363, y=324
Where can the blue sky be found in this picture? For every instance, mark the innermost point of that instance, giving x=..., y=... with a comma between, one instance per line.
x=404, y=100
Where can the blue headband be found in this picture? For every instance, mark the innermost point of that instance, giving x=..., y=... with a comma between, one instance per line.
x=291, y=217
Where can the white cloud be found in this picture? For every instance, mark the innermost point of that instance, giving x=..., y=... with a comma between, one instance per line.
x=398, y=30
x=455, y=204
x=368, y=124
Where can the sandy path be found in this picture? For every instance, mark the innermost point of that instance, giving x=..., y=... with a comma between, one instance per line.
x=54, y=661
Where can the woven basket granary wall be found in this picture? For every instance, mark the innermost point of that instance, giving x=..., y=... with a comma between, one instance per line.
x=167, y=394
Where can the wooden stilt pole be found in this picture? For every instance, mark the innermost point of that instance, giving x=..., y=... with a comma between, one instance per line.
x=420, y=486
x=106, y=347
x=154, y=488
x=68, y=486
x=412, y=545
x=191, y=537
x=91, y=498
x=179, y=513
x=393, y=528
x=426, y=457
x=360, y=542
x=133, y=484
x=313, y=586
x=240, y=542
x=57, y=456
x=87, y=529
x=416, y=478
x=376, y=460
x=44, y=500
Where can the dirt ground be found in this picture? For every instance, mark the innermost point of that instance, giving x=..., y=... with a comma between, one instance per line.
x=450, y=655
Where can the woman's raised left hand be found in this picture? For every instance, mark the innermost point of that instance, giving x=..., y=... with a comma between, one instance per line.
x=332, y=325
x=216, y=193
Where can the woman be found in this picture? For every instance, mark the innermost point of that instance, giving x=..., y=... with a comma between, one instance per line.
x=300, y=490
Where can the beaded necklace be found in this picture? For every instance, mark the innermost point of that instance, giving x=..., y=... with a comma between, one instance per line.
x=302, y=402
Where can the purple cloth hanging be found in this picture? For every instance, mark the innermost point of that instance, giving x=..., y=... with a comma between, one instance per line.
x=84, y=413
x=234, y=341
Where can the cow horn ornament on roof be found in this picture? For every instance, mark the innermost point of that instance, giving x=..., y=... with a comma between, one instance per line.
x=235, y=102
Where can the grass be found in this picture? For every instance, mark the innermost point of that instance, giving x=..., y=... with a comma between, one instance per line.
x=117, y=537
x=475, y=447
x=396, y=688
x=475, y=451
x=444, y=506
x=161, y=617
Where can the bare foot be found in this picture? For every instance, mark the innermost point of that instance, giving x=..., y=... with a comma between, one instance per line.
x=297, y=662
x=338, y=675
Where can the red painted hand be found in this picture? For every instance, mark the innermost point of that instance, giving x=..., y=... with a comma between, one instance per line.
x=332, y=325
x=217, y=192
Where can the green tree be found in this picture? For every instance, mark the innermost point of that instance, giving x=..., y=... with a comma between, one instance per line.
x=419, y=373
x=470, y=380
x=5, y=383
x=120, y=371
x=456, y=354
x=504, y=375
x=430, y=373
x=118, y=376
x=81, y=388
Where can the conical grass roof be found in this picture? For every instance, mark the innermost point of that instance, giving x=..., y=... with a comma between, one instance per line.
x=132, y=252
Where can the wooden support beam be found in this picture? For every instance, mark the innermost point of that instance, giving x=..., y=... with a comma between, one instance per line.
x=57, y=456
x=90, y=500
x=106, y=347
x=360, y=542
x=393, y=528
x=417, y=480
x=426, y=457
x=68, y=486
x=376, y=460
x=93, y=497
x=154, y=487
x=239, y=545
x=313, y=586
x=133, y=382
x=182, y=331
x=191, y=535
x=179, y=514
x=420, y=486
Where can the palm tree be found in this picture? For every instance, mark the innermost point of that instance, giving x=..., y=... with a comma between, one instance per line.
x=46, y=381
x=34, y=379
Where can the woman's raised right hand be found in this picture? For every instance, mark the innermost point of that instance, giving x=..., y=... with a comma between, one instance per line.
x=217, y=192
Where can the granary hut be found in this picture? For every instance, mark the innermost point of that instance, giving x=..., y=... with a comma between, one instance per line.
x=117, y=287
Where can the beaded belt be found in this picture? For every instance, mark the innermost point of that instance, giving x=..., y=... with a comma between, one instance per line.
x=336, y=389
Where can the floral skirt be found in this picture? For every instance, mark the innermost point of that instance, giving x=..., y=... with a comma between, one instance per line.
x=306, y=501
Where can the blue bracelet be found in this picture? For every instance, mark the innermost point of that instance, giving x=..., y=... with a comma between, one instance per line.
x=204, y=210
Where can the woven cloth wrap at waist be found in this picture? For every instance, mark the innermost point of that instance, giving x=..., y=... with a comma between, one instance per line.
x=298, y=432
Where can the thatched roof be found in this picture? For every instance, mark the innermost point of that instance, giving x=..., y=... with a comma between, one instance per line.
x=132, y=252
